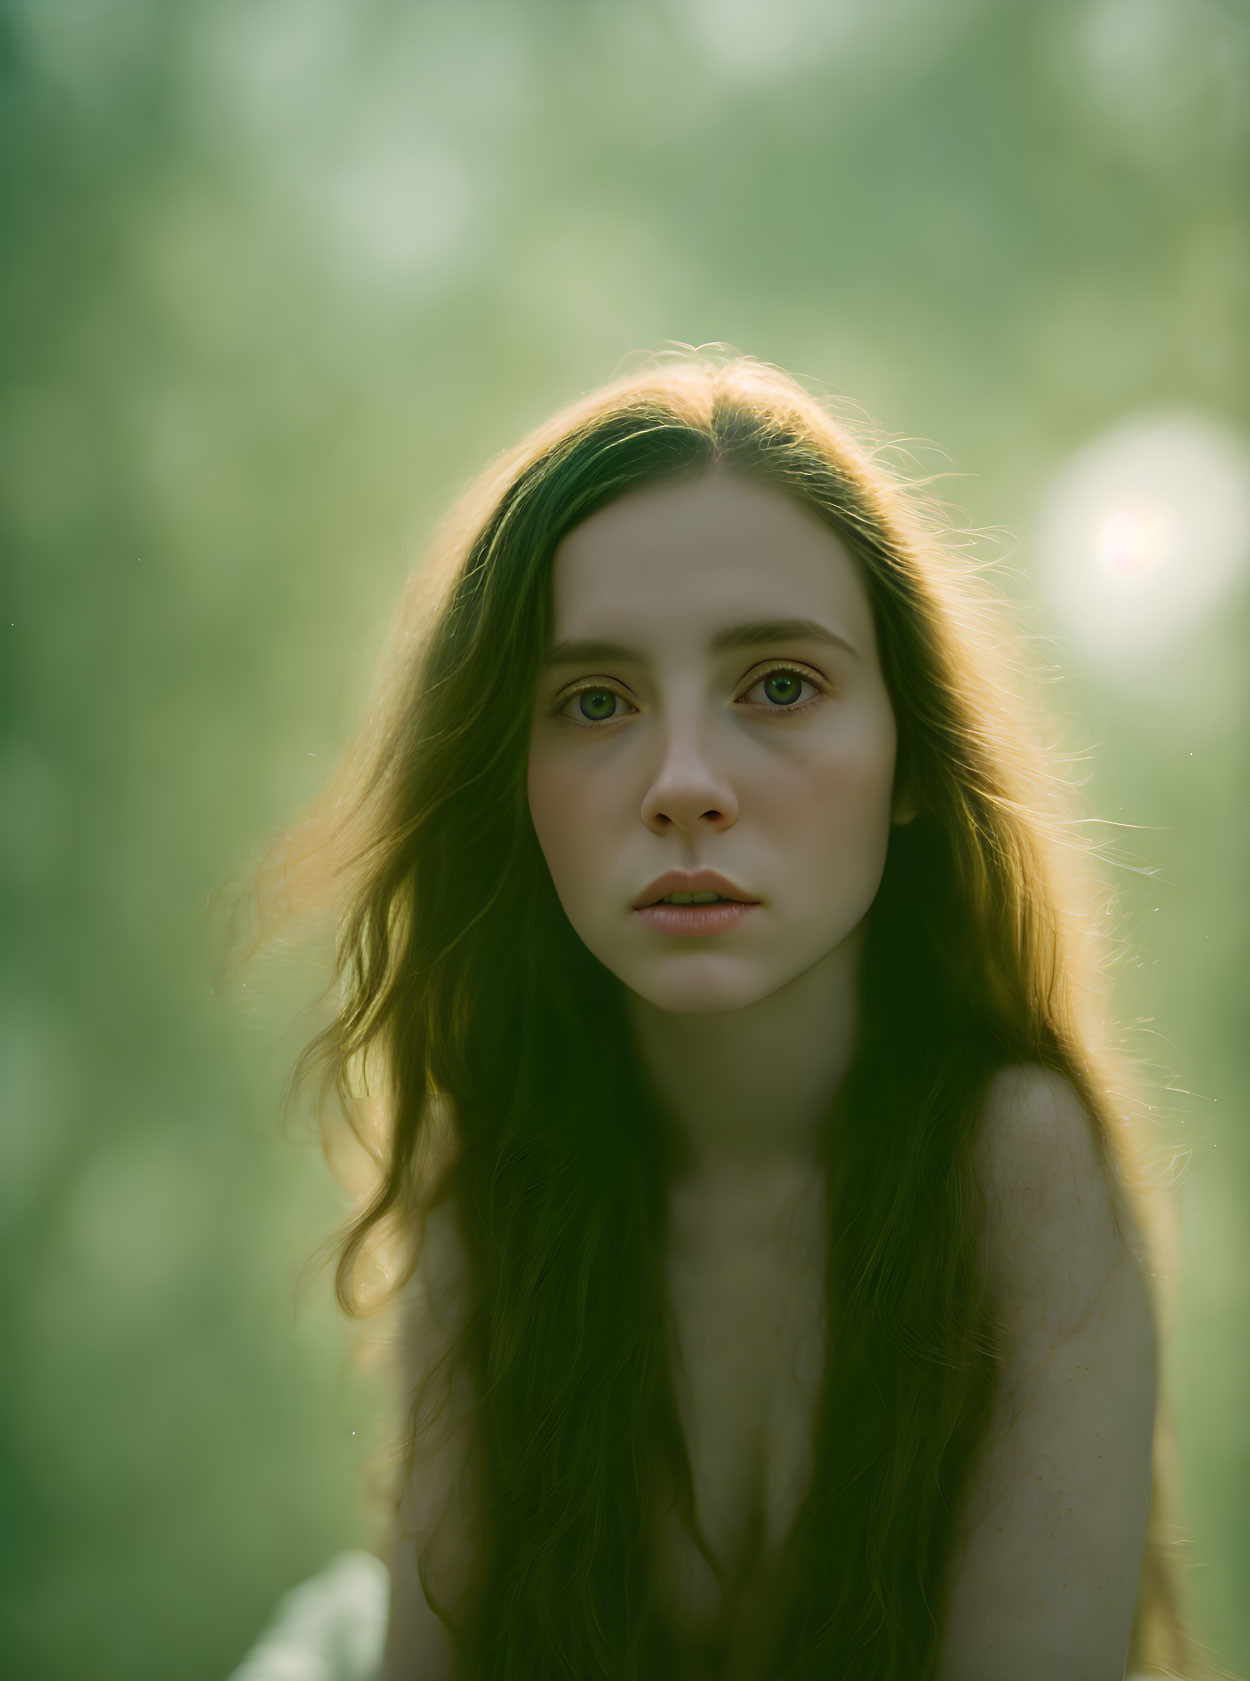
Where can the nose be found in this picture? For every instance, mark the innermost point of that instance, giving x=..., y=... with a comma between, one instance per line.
x=688, y=791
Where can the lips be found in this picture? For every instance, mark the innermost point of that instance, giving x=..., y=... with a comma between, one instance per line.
x=695, y=920
x=693, y=881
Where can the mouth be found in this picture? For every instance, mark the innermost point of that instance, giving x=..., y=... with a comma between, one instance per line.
x=697, y=899
x=711, y=916
x=698, y=887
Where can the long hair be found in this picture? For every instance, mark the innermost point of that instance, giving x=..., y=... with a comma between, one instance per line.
x=480, y=1053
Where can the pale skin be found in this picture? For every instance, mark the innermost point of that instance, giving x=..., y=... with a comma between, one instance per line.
x=746, y=1035
x=786, y=788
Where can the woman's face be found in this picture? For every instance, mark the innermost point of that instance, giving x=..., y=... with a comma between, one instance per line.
x=768, y=757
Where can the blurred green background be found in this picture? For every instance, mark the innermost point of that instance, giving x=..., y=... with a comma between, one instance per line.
x=278, y=276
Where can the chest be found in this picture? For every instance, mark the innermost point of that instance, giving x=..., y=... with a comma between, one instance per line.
x=747, y=1345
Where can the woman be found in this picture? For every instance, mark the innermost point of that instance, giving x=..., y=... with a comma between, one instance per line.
x=787, y=1266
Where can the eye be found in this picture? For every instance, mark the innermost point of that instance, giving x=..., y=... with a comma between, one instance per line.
x=594, y=703
x=782, y=685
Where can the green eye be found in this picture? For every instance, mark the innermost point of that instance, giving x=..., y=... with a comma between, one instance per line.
x=782, y=687
x=596, y=704
x=790, y=684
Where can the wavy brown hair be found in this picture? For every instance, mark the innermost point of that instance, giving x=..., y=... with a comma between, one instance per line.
x=480, y=1055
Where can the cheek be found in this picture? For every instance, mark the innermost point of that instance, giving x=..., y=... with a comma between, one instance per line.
x=544, y=806
x=560, y=813
x=843, y=807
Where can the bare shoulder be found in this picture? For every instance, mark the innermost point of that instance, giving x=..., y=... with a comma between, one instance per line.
x=1053, y=1519
x=1036, y=1106
x=1055, y=1237
x=439, y=1501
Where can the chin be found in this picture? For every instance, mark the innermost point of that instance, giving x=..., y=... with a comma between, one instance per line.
x=698, y=994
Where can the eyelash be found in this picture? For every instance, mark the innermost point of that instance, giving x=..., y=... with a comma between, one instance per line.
x=600, y=687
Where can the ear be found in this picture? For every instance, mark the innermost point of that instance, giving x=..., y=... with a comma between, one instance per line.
x=905, y=807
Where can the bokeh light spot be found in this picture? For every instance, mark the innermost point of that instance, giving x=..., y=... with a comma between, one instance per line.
x=1144, y=533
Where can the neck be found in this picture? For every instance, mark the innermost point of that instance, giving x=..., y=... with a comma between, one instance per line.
x=749, y=1090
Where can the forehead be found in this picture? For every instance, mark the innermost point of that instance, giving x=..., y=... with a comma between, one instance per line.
x=699, y=552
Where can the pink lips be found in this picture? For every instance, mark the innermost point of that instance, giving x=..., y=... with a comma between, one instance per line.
x=694, y=919
x=692, y=881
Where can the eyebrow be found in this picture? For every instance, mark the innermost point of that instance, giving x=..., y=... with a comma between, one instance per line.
x=753, y=634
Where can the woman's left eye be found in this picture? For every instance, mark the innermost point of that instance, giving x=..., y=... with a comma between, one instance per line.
x=781, y=688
